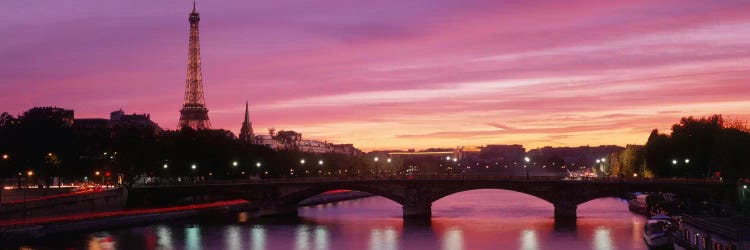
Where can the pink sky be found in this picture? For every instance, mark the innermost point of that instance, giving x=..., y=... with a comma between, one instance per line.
x=391, y=74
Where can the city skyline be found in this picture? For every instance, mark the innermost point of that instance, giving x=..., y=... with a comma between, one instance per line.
x=430, y=74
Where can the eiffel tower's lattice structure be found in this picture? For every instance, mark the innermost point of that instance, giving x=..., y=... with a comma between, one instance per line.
x=194, y=113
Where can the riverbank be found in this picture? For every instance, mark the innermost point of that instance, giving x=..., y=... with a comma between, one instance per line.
x=31, y=228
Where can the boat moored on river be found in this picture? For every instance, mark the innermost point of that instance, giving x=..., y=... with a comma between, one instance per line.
x=657, y=232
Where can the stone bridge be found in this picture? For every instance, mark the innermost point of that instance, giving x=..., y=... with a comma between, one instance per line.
x=416, y=194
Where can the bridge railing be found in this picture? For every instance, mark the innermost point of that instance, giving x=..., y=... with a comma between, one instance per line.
x=446, y=177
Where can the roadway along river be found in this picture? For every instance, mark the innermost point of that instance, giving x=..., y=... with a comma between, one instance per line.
x=479, y=219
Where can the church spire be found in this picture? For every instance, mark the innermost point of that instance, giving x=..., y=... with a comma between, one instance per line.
x=246, y=132
x=247, y=113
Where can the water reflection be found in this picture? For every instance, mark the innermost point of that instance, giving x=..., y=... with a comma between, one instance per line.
x=164, y=234
x=232, y=238
x=101, y=241
x=302, y=238
x=485, y=219
x=321, y=238
x=193, y=237
x=383, y=239
x=453, y=239
x=258, y=237
x=637, y=230
x=602, y=239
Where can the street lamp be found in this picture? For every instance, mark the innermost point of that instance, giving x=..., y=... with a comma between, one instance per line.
x=193, y=166
x=527, y=160
x=29, y=173
x=302, y=161
x=234, y=163
x=257, y=164
x=687, y=160
x=320, y=162
x=674, y=162
x=165, y=166
x=389, y=160
x=2, y=180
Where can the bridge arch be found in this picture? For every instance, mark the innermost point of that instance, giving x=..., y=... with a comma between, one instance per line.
x=294, y=197
x=453, y=192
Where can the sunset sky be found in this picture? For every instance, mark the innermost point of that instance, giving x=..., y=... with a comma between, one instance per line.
x=392, y=74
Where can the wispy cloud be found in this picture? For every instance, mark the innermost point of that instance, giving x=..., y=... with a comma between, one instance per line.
x=392, y=73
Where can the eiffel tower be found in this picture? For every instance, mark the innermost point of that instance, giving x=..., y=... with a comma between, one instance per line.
x=194, y=113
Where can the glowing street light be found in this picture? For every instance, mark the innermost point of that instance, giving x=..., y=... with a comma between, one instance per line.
x=193, y=166
x=455, y=159
x=376, y=159
x=389, y=160
x=30, y=173
x=234, y=163
x=604, y=160
x=687, y=161
x=302, y=161
x=447, y=158
x=165, y=166
x=527, y=160
x=320, y=162
x=5, y=156
x=96, y=173
x=257, y=164
x=598, y=161
x=674, y=162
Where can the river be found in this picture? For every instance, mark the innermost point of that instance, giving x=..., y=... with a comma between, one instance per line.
x=479, y=219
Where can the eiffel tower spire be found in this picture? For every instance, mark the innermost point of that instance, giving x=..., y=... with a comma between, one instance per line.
x=246, y=132
x=194, y=113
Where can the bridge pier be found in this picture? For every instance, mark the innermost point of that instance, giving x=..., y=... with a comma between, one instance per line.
x=565, y=211
x=420, y=211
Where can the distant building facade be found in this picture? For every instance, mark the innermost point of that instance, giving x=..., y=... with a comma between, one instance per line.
x=59, y=116
x=117, y=120
x=291, y=140
x=502, y=154
x=580, y=156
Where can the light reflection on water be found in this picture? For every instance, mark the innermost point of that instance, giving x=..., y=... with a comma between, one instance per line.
x=529, y=240
x=164, y=234
x=193, y=237
x=233, y=240
x=258, y=237
x=453, y=239
x=481, y=219
x=302, y=238
x=602, y=239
